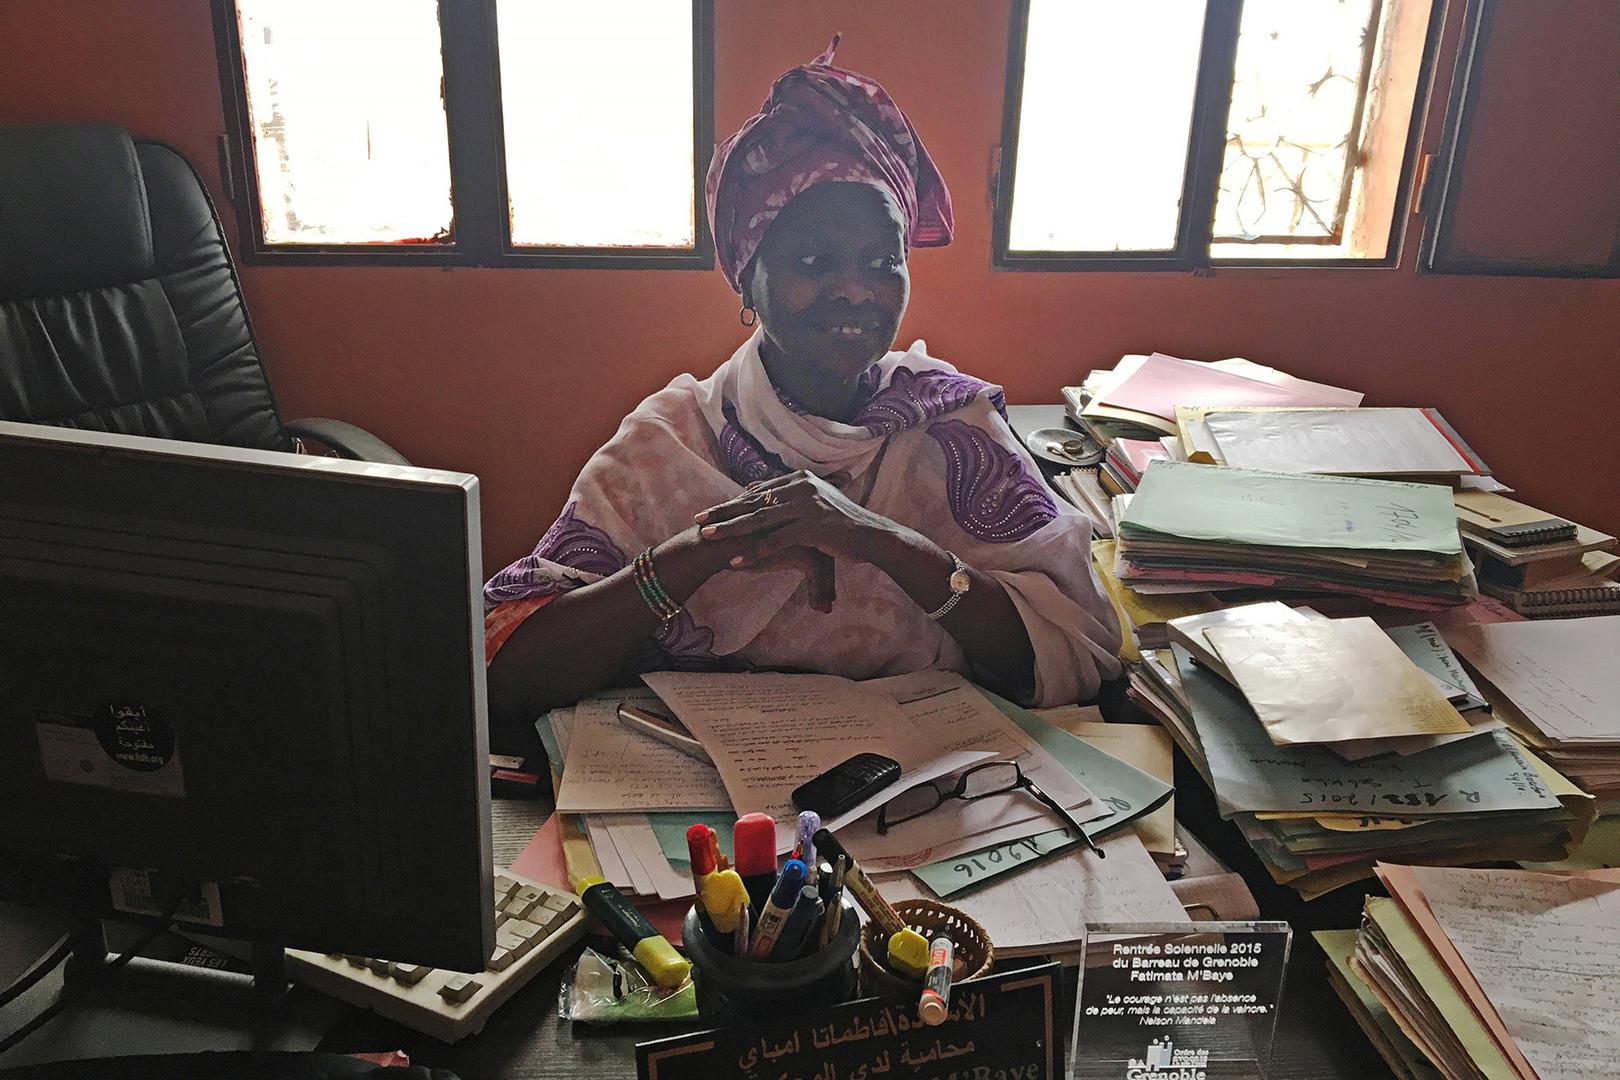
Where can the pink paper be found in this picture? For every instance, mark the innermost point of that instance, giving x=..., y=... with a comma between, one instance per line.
x=1163, y=382
x=542, y=860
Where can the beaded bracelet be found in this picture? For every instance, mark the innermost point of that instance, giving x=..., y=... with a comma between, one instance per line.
x=651, y=589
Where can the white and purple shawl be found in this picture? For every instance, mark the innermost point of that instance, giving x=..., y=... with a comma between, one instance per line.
x=931, y=450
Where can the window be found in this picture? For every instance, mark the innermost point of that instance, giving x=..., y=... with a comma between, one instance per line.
x=468, y=132
x=1171, y=134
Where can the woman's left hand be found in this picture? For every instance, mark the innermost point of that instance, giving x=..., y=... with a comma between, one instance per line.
x=796, y=510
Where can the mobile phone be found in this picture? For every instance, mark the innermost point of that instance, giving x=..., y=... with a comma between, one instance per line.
x=846, y=785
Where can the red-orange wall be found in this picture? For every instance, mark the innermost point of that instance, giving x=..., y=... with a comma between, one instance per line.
x=517, y=375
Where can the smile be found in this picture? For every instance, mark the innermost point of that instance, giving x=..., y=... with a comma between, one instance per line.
x=850, y=331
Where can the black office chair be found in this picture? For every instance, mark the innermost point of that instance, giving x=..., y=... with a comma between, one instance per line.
x=119, y=304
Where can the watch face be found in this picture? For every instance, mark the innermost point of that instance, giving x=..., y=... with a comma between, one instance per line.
x=960, y=582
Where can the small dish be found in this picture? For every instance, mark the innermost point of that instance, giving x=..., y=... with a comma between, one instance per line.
x=1064, y=446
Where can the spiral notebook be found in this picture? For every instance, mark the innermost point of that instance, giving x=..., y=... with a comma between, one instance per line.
x=1508, y=522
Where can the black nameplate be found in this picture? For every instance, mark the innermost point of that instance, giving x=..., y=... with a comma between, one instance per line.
x=1000, y=1028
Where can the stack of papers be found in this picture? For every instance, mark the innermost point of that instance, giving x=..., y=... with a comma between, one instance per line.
x=1127, y=459
x=1557, y=685
x=1408, y=444
x=1138, y=398
x=1194, y=527
x=1488, y=973
x=633, y=797
x=1144, y=615
x=1319, y=813
x=1535, y=563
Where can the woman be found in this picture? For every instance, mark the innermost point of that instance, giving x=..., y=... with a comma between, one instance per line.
x=818, y=503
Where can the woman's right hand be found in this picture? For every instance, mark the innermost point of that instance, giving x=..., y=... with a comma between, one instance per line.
x=686, y=560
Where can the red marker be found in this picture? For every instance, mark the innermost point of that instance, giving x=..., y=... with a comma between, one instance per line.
x=753, y=846
x=700, y=850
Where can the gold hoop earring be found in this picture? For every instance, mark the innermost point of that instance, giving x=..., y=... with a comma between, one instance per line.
x=747, y=315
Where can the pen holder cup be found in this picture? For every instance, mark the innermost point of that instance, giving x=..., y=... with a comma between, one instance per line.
x=731, y=989
x=973, y=952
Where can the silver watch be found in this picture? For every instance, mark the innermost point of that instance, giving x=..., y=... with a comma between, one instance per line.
x=960, y=582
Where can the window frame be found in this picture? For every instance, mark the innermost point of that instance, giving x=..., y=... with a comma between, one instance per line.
x=481, y=233
x=1195, y=227
x=1446, y=173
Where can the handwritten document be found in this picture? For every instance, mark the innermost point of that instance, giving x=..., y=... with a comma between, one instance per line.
x=1559, y=672
x=769, y=733
x=610, y=767
x=1250, y=773
x=1045, y=908
x=1426, y=647
x=1321, y=682
x=1545, y=949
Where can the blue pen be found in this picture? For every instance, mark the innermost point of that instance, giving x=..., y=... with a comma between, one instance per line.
x=804, y=844
x=775, y=913
x=805, y=914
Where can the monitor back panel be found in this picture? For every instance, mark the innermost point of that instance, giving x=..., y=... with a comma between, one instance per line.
x=249, y=681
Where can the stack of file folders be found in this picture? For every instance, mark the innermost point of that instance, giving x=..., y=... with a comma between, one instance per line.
x=1556, y=685
x=1137, y=399
x=1193, y=527
x=1538, y=564
x=1334, y=743
x=1126, y=460
x=1501, y=974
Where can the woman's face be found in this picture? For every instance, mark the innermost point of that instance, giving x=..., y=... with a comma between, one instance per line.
x=830, y=280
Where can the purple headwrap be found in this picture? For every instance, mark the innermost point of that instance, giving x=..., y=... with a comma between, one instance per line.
x=820, y=123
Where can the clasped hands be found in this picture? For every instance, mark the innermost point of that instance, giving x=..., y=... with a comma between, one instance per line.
x=795, y=520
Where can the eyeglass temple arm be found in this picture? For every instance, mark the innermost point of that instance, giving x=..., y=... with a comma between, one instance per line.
x=1062, y=812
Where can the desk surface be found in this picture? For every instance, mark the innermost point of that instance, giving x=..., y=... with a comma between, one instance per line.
x=1316, y=1037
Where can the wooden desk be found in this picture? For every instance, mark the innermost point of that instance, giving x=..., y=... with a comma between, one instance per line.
x=524, y=1040
x=1316, y=1038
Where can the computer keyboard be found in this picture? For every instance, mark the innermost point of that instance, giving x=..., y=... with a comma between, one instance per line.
x=534, y=923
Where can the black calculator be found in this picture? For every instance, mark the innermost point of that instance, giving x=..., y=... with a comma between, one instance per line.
x=846, y=785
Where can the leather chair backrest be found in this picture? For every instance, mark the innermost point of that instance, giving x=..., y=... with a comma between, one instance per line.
x=120, y=308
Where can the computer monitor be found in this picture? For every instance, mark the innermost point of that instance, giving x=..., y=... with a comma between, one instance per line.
x=251, y=679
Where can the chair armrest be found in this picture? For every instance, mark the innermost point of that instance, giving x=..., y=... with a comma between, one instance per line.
x=349, y=441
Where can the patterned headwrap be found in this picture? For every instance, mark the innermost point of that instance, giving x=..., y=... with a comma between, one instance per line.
x=820, y=123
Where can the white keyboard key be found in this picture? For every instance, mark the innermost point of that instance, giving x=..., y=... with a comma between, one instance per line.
x=523, y=901
x=458, y=988
x=504, y=887
x=524, y=929
x=501, y=959
x=561, y=903
x=410, y=974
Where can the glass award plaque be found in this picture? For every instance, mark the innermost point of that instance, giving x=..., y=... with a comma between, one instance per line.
x=1178, y=1001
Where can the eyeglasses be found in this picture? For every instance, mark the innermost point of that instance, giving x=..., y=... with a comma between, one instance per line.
x=980, y=782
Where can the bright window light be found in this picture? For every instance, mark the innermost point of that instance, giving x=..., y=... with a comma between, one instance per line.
x=348, y=122
x=1105, y=124
x=1314, y=141
x=598, y=107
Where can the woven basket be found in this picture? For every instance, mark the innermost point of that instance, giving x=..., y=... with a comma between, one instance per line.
x=973, y=951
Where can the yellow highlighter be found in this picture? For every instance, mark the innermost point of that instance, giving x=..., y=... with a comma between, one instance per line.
x=722, y=893
x=908, y=953
x=648, y=946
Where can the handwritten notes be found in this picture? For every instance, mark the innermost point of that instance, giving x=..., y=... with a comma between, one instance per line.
x=1000, y=1026
x=609, y=767
x=1426, y=647
x=1251, y=773
x=1328, y=681
x=770, y=733
x=1561, y=673
x=1545, y=949
x=1044, y=909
